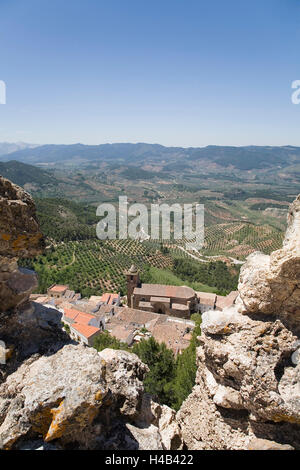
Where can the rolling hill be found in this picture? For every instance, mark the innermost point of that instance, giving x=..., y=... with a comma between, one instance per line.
x=242, y=158
x=22, y=174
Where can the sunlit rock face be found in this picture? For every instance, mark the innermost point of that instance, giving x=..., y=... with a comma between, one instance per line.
x=271, y=284
x=77, y=398
x=20, y=237
x=247, y=392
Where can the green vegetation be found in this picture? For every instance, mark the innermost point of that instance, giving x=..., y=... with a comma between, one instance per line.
x=67, y=328
x=64, y=220
x=21, y=173
x=261, y=206
x=94, y=266
x=185, y=369
x=105, y=340
x=239, y=239
x=134, y=173
x=214, y=274
x=153, y=275
x=170, y=380
x=160, y=361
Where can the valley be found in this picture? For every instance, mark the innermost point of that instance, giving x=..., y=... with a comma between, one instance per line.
x=245, y=191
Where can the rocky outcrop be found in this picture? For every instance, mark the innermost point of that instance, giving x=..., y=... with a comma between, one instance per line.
x=54, y=393
x=78, y=398
x=271, y=284
x=247, y=393
x=20, y=237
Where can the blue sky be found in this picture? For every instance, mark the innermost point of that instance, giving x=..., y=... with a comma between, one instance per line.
x=175, y=72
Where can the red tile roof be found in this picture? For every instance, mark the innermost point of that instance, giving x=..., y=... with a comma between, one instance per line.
x=83, y=318
x=70, y=313
x=105, y=297
x=58, y=288
x=131, y=315
x=85, y=330
x=108, y=297
x=77, y=316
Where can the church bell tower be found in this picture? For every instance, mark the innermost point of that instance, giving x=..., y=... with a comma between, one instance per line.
x=133, y=280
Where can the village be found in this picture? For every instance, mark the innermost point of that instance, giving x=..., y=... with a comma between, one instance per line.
x=149, y=310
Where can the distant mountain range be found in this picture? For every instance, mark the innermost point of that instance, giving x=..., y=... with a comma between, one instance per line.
x=7, y=148
x=242, y=158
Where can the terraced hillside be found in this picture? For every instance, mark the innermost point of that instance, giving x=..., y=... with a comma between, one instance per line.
x=90, y=266
x=93, y=266
x=234, y=240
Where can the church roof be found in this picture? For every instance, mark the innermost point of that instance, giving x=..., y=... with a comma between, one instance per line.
x=159, y=290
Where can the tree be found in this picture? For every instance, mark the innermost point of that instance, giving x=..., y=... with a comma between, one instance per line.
x=67, y=328
x=161, y=363
x=186, y=369
x=105, y=340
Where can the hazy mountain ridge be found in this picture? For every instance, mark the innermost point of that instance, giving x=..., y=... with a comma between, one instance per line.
x=8, y=147
x=243, y=158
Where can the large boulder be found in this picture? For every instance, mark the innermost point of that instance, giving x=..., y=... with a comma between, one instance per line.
x=80, y=399
x=54, y=396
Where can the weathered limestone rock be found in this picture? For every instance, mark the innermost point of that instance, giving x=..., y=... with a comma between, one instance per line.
x=147, y=438
x=152, y=426
x=124, y=372
x=16, y=287
x=264, y=444
x=271, y=284
x=20, y=237
x=247, y=392
x=56, y=396
x=169, y=429
x=79, y=398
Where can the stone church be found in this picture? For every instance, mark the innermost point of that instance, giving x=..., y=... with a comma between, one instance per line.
x=178, y=301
